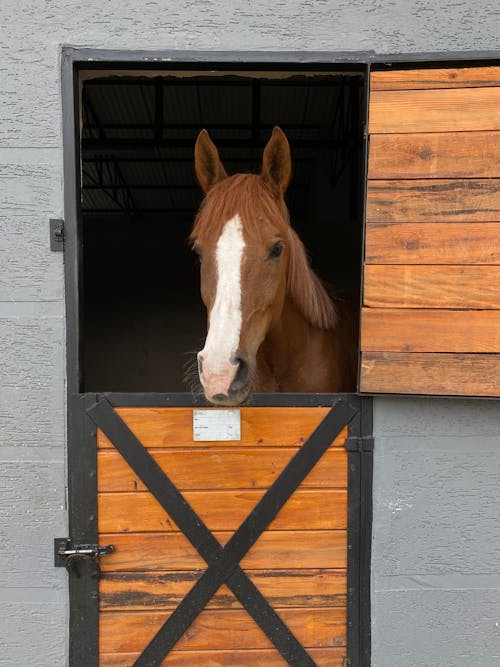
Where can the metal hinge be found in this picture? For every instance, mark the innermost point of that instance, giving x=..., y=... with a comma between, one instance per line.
x=56, y=235
x=359, y=443
x=69, y=555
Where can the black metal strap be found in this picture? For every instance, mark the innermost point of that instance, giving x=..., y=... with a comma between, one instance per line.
x=222, y=561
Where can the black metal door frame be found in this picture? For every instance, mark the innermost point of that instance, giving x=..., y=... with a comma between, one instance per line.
x=88, y=410
x=82, y=489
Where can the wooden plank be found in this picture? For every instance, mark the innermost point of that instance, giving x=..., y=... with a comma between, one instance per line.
x=221, y=629
x=434, y=200
x=172, y=551
x=432, y=243
x=221, y=469
x=323, y=657
x=222, y=510
x=435, y=155
x=447, y=110
x=173, y=427
x=397, y=286
x=391, y=330
x=165, y=590
x=441, y=374
x=433, y=77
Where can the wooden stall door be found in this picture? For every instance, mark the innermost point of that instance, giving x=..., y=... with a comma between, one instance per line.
x=431, y=306
x=298, y=563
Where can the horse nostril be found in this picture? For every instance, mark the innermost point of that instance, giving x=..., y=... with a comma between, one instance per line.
x=217, y=398
x=200, y=366
x=241, y=377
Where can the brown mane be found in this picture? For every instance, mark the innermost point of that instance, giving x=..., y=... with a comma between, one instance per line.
x=249, y=196
x=306, y=289
x=244, y=194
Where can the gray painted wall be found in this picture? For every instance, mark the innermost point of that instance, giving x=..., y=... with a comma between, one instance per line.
x=436, y=545
x=436, y=538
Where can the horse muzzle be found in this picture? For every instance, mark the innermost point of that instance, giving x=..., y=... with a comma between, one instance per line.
x=229, y=387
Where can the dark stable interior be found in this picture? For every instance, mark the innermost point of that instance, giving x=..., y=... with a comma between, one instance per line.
x=143, y=319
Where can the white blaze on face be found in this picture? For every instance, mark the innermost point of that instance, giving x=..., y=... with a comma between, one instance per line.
x=218, y=357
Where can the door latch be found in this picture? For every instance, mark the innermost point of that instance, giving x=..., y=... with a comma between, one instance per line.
x=56, y=235
x=71, y=556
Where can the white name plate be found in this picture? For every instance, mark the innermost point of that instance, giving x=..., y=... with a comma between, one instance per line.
x=213, y=425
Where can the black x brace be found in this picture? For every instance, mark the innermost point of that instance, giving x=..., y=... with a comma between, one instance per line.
x=223, y=562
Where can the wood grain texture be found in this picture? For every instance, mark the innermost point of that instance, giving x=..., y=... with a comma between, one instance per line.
x=396, y=286
x=448, y=110
x=435, y=155
x=222, y=510
x=438, y=200
x=171, y=551
x=221, y=629
x=394, y=330
x=151, y=572
x=165, y=590
x=323, y=657
x=435, y=77
x=432, y=243
x=173, y=427
x=441, y=374
x=432, y=252
x=221, y=469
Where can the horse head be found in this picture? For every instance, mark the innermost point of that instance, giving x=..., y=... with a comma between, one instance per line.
x=250, y=260
x=240, y=236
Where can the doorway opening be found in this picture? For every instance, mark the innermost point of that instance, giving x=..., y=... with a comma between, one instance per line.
x=142, y=315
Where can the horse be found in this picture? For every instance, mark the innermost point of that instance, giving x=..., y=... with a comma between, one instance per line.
x=271, y=325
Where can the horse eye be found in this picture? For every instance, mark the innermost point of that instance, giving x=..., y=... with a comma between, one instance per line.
x=275, y=250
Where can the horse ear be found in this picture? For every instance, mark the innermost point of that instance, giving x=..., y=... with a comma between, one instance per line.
x=208, y=167
x=277, y=161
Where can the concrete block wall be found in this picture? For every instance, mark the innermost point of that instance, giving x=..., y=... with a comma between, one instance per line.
x=32, y=426
x=436, y=533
